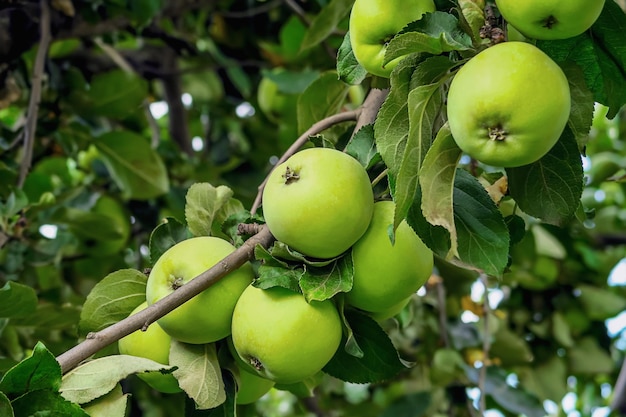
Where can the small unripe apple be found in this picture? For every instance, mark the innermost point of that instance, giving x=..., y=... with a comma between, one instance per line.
x=550, y=19
x=152, y=344
x=319, y=202
x=282, y=336
x=508, y=105
x=386, y=274
x=207, y=317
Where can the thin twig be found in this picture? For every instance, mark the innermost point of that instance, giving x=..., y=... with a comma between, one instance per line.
x=30, y=129
x=380, y=177
x=302, y=140
x=441, y=307
x=144, y=318
x=482, y=378
x=254, y=11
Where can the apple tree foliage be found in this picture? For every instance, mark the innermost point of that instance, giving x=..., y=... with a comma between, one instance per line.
x=240, y=81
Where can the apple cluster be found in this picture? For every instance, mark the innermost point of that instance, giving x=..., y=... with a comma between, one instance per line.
x=509, y=104
x=319, y=202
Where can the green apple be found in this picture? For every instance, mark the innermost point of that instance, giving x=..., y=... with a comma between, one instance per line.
x=282, y=336
x=372, y=25
x=392, y=311
x=508, y=105
x=319, y=202
x=207, y=317
x=114, y=209
x=250, y=386
x=550, y=19
x=152, y=344
x=386, y=273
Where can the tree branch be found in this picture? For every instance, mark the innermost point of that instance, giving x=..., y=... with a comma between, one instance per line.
x=144, y=318
x=177, y=115
x=30, y=128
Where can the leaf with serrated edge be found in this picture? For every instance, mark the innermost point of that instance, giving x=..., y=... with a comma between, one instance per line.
x=44, y=403
x=434, y=33
x=323, y=283
x=198, y=373
x=425, y=103
x=40, y=371
x=113, y=404
x=203, y=203
x=362, y=147
x=112, y=299
x=348, y=68
x=98, y=377
x=557, y=178
x=437, y=183
x=482, y=234
x=380, y=359
x=581, y=113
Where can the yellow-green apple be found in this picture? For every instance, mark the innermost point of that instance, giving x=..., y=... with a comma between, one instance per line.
x=206, y=317
x=282, y=336
x=372, y=25
x=508, y=105
x=250, y=385
x=319, y=202
x=550, y=19
x=154, y=344
x=386, y=274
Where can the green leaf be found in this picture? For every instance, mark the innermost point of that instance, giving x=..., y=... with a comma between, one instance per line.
x=514, y=400
x=434, y=34
x=362, y=147
x=88, y=224
x=557, y=178
x=380, y=359
x=410, y=405
x=600, y=303
x=437, y=182
x=98, y=377
x=40, y=371
x=15, y=202
x=166, y=235
x=50, y=316
x=46, y=403
x=115, y=94
x=17, y=300
x=136, y=168
x=291, y=82
x=581, y=113
x=6, y=410
x=473, y=16
x=483, y=237
x=198, y=373
x=207, y=207
x=348, y=68
x=510, y=348
x=601, y=53
x=588, y=358
x=275, y=273
x=322, y=283
x=437, y=238
x=547, y=380
x=113, y=404
x=561, y=330
x=324, y=97
x=325, y=22
x=112, y=299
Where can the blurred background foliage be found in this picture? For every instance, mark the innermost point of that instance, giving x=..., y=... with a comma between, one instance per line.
x=142, y=98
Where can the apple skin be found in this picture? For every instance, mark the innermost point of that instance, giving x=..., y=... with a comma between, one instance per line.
x=550, y=19
x=207, y=317
x=374, y=22
x=508, y=105
x=250, y=386
x=152, y=344
x=319, y=202
x=283, y=337
x=386, y=275
x=392, y=311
